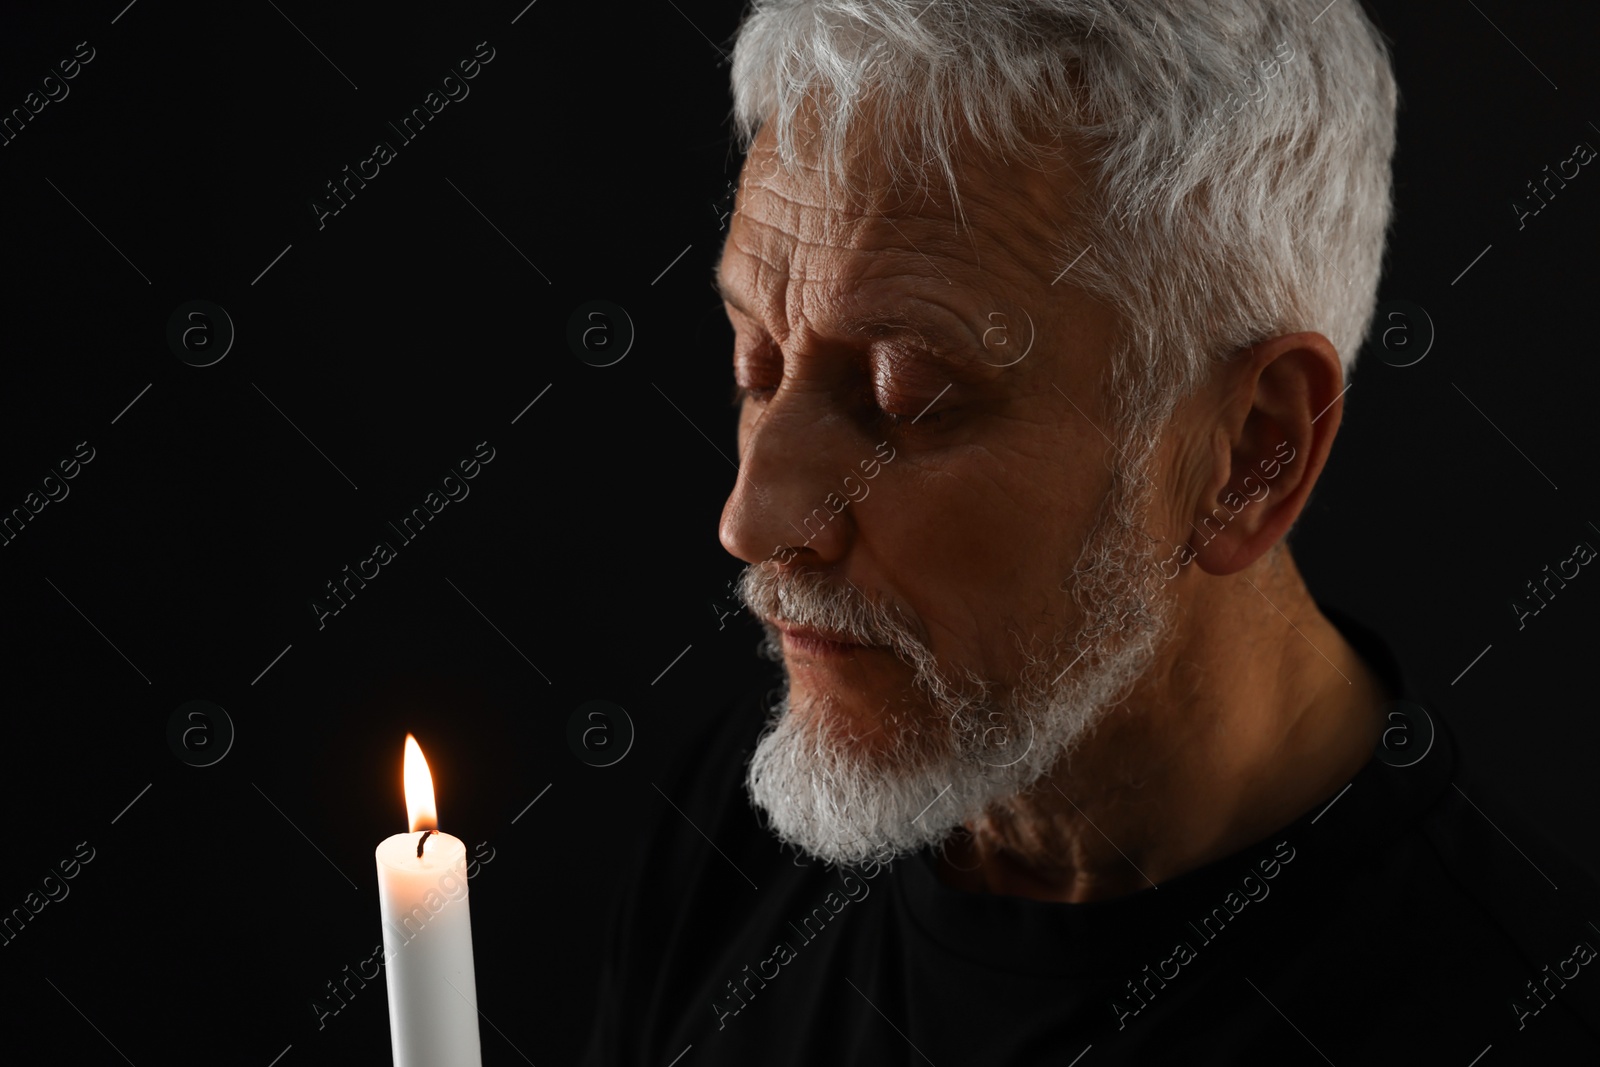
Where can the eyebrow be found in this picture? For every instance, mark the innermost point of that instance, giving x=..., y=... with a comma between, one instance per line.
x=953, y=348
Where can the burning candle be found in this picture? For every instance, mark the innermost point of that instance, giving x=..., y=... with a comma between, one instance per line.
x=427, y=934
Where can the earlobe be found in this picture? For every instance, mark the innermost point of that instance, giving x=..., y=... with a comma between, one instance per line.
x=1230, y=549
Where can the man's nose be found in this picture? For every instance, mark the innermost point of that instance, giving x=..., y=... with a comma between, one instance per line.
x=788, y=501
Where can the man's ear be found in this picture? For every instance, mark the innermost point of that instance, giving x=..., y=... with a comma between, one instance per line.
x=1274, y=433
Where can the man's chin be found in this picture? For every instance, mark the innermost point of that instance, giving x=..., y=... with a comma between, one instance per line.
x=845, y=842
x=848, y=793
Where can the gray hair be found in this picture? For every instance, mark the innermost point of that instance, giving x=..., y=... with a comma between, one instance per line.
x=1239, y=150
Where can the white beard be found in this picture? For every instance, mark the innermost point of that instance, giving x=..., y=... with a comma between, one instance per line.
x=845, y=805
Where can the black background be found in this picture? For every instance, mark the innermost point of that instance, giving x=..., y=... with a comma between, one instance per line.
x=379, y=350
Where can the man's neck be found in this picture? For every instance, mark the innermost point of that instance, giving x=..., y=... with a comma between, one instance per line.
x=1237, y=731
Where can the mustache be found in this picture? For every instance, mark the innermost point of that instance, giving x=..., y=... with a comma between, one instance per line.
x=809, y=599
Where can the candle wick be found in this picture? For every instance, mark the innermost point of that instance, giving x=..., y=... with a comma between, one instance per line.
x=421, y=841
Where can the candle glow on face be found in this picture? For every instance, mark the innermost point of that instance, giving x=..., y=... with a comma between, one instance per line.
x=420, y=808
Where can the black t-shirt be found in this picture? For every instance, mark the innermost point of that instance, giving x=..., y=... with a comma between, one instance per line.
x=1406, y=918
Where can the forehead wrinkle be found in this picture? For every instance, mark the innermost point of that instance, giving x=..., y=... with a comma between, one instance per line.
x=866, y=226
x=775, y=254
x=874, y=245
x=857, y=301
x=867, y=248
x=765, y=169
x=995, y=188
x=1003, y=221
x=783, y=306
x=870, y=304
x=1045, y=181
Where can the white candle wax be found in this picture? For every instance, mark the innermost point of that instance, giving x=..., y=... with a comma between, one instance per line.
x=427, y=947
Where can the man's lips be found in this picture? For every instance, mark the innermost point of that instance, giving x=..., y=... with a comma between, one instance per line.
x=819, y=642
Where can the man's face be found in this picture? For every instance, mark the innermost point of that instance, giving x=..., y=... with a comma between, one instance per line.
x=983, y=541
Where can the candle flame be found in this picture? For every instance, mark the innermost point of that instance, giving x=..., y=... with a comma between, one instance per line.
x=420, y=809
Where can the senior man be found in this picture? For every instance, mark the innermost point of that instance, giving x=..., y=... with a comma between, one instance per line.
x=1045, y=311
